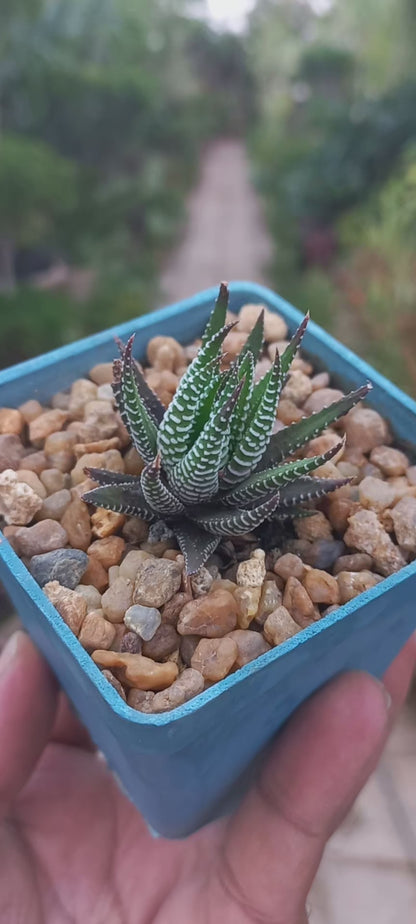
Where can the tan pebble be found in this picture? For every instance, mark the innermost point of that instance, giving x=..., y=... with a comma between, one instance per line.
x=347, y=470
x=11, y=451
x=392, y=462
x=96, y=632
x=61, y=400
x=53, y=480
x=76, y=521
x=120, y=634
x=323, y=443
x=11, y=421
x=288, y=412
x=223, y=584
x=82, y=449
x=59, y=450
x=176, y=351
x=158, y=549
x=189, y=684
x=262, y=367
x=233, y=344
x=130, y=564
x=32, y=479
x=250, y=645
x=248, y=600
x=411, y=475
x=138, y=671
x=321, y=380
x=301, y=365
x=30, y=410
x=109, y=551
x=404, y=521
x=366, y=534
x=102, y=373
x=366, y=429
x=251, y=573
x=214, y=657
x=352, y=583
x=375, y=494
x=321, y=398
x=70, y=605
x=96, y=575
x=289, y=565
x=133, y=463
x=35, y=462
x=135, y=530
x=401, y=488
x=105, y=393
x=115, y=683
x=106, y=522
x=358, y=561
x=201, y=581
x=117, y=599
x=275, y=327
x=157, y=580
x=271, y=597
x=18, y=501
x=47, y=423
x=341, y=508
x=321, y=586
x=297, y=388
x=140, y=700
x=54, y=507
x=298, y=602
x=45, y=536
x=212, y=616
x=82, y=391
x=113, y=574
x=314, y=527
x=91, y=595
x=173, y=607
x=279, y=626
x=110, y=460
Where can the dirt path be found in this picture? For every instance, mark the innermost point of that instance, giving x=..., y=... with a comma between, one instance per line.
x=225, y=236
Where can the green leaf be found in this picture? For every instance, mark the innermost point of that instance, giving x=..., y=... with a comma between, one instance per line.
x=217, y=318
x=176, y=428
x=103, y=476
x=306, y=489
x=150, y=400
x=140, y=425
x=251, y=447
x=289, y=353
x=195, y=478
x=195, y=544
x=269, y=480
x=226, y=522
x=289, y=440
x=122, y=498
x=241, y=412
x=254, y=342
x=156, y=494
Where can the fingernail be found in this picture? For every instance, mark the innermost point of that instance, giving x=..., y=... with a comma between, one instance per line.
x=11, y=650
x=386, y=695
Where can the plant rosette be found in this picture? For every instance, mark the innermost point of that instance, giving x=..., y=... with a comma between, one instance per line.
x=188, y=517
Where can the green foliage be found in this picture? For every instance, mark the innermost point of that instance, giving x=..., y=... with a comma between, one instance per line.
x=227, y=475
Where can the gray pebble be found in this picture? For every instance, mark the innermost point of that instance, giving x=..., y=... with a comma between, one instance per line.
x=143, y=619
x=64, y=565
x=323, y=553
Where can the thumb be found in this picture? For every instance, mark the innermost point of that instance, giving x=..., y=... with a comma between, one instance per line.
x=316, y=769
x=27, y=708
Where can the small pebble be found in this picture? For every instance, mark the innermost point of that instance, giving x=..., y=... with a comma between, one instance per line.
x=271, y=598
x=130, y=564
x=76, y=522
x=366, y=534
x=137, y=671
x=298, y=387
x=47, y=423
x=314, y=527
x=251, y=573
x=358, y=561
x=63, y=565
x=279, y=626
x=404, y=521
x=201, y=582
x=321, y=398
x=323, y=553
x=189, y=684
x=212, y=616
x=45, y=536
x=30, y=409
x=91, y=595
x=187, y=647
x=289, y=565
x=250, y=645
x=54, y=507
x=164, y=642
x=115, y=683
x=18, y=501
x=157, y=580
x=321, y=586
x=11, y=452
x=108, y=551
x=140, y=700
x=214, y=657
x=117, y=599
x=11, y=421
x=391, y=461
x=298, y=602
x=352, y=583
x=375, y=494
x=71, y=606
x=248, y=601
x=95, y=575
x=96, y=632
x=131, y=642
x=365, y=429
x=102, y=373
x=106, y=523
x=143, y=619
x=53, y=480
x=111, y=460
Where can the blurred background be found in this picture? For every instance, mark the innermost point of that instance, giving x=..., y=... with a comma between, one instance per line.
x=149, y=149
x=126, y=127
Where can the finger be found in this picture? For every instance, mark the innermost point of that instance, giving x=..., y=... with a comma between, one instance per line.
x=398, y=677
x=67, y=728
x=319, y=764
x=27, y=708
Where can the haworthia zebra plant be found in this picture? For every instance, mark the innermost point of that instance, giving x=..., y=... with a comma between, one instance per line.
x=213, y=466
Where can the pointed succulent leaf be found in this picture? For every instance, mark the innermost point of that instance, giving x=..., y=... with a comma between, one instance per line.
x=262, y=483
x=224, y=521
x=177, y=425
x=122, y=498
x=217, y=318
x=254, y=342
x=252, y=445
x=156, y=494
x=204, y=410
x=292, y=438
x=103, y=476
x=239, y=418
x=306, y=489
x=195, y=544
x=289, y=353
x=195, y=478
x=141, y=426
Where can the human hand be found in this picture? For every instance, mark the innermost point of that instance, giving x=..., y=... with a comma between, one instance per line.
x=73, y=850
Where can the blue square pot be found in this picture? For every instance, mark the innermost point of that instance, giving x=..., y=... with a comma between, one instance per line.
x=185, y=767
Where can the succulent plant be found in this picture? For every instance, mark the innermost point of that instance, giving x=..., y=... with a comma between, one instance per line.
x=213, y=465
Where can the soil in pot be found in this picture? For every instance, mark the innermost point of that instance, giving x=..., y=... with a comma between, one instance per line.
x=159, y=635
